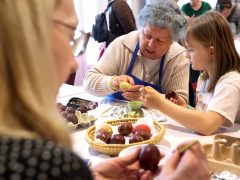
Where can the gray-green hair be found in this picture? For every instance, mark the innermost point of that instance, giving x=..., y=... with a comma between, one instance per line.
x=162, y=14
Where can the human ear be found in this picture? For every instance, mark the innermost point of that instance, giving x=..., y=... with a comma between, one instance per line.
x=211, y=51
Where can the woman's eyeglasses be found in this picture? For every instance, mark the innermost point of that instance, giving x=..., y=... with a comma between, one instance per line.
x=75, y=42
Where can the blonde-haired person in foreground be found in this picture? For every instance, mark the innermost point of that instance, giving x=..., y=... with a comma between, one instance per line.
x=211, y=49
x=35, y=59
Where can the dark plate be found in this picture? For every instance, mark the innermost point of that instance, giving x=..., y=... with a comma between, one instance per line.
x=82, y=104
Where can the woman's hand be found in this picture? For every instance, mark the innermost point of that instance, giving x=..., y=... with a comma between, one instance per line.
x=191, y=165
x=133, y=93
x=116, y=81
x=121, y=168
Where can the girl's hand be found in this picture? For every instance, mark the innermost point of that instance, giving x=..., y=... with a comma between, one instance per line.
x=151, y=98
x=179, y=101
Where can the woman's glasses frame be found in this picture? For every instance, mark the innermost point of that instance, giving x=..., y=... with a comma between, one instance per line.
x=74, y=43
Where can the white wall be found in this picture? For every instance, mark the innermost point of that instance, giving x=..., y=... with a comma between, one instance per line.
x=136, y=6
x=87, y=10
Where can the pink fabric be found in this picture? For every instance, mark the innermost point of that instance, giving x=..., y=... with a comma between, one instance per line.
x=194, y=85
x=71, y=79
x=101, y=50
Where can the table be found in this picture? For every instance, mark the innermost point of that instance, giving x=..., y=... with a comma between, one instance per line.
x=67, y=91
x=174, y=135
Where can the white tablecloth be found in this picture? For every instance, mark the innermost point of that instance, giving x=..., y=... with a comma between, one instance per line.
x=174, y=135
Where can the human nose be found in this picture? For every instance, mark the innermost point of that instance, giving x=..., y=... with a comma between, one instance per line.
x=151, y=43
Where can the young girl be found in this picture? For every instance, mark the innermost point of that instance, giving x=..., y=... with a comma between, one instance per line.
x=211, y=49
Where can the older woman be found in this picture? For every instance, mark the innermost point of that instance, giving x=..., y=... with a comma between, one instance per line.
x=149, y=57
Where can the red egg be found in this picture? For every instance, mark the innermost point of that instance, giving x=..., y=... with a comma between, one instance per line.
x=149, y=157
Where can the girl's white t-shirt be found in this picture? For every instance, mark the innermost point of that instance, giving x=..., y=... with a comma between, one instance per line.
x=225, y=99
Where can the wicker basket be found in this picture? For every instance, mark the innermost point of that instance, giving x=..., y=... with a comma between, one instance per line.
x=114, y=149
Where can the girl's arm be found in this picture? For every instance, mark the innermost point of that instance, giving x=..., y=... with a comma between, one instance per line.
x=205, y=123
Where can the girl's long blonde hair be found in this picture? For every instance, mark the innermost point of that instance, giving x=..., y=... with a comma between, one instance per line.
x=28, y=72
x=212, y=29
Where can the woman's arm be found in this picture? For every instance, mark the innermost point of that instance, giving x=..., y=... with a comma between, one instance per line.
x=114, y=62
